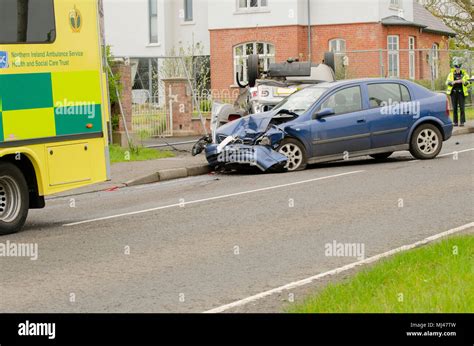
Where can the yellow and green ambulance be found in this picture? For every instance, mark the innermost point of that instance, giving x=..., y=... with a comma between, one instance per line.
x=53, y=103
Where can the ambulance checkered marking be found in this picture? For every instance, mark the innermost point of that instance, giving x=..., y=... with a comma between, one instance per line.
x=26, y=91
x=40, y=105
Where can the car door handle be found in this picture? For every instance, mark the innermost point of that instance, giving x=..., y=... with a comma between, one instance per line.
x=361, y=121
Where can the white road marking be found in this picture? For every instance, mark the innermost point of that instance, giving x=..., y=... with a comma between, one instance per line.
x=372, y=259
x=210, y=199
x=458, y=152
x=448, y=154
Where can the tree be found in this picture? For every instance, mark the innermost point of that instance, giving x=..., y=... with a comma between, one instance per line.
x=458, y=15
x=22, y=20
x=196, y=63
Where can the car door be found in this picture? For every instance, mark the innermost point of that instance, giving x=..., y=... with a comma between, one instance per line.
x=390, y=113
x=344, y=131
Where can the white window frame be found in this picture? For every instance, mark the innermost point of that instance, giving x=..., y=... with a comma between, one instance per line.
x=411, y=57
x=185, y=10
x=393, y=58
x=395, y=4
x=268, y=57
x=435, y=60
x=339, y=43
x=150, y=23
x=261, y=5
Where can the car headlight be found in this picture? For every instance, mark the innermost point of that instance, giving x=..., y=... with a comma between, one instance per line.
x=266, y=141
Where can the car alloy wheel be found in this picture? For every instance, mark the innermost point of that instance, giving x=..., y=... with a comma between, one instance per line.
x=428, y=141
x=294, y=155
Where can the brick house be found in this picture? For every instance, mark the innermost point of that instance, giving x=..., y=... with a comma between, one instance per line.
x=400, y=38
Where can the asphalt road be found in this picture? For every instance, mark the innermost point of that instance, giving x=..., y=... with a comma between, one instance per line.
x=199, y=243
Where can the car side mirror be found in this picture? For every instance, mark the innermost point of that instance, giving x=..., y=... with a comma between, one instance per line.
x=324, y=113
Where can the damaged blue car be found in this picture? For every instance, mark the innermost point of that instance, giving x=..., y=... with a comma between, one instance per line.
x=335, y=121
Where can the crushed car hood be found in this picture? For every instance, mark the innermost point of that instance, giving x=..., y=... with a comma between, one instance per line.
x=243, y=148
x=259, y=156
x=247, y=127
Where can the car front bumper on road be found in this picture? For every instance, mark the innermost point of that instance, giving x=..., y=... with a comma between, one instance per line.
x=259, y=156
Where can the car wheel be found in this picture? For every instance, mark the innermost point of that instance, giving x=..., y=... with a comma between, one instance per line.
x=426, y=142
x=253, y=69
x=296, y=154
x=382, y=156
x=14, y=199
x=277, y=169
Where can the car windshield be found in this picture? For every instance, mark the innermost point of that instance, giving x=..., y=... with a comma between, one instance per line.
x=301, y=101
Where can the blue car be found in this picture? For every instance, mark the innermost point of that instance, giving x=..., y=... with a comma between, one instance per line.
x=336, y=121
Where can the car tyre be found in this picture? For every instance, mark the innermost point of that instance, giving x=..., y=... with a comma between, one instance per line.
x=277, y=169
x=295, y=151
x=14, y=199
x=253, y=69
x=426, y=142
x=330, y=60
x=381, y=156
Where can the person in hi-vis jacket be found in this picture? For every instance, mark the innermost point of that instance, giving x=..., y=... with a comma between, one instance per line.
x=458, y=88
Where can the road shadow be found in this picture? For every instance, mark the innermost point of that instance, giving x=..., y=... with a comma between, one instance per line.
x=360, y=162
x=363, y=161
x=38, y=226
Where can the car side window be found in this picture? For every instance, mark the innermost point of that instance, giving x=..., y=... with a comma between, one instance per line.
x=384, y=94
x=405, y=93
x=344, y=101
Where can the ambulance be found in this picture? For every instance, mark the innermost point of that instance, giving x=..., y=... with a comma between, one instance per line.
x=54, y=110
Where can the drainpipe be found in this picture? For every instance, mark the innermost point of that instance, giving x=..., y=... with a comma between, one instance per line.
x=309, y=32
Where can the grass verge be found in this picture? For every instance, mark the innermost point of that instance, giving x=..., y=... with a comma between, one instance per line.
x=469, y=113
x=119, y=154
x=437, y=278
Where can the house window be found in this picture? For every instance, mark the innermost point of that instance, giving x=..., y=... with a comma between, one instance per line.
x=435, y=61
x=337, y=45
x=251, y=4
x=153, y=20
x=411, y=57
x=188, y=10
x=396, y=4
x=265, y=51
x=393, y=56
x=28, y=22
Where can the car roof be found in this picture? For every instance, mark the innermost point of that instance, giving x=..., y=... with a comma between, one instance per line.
x=357, y=81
